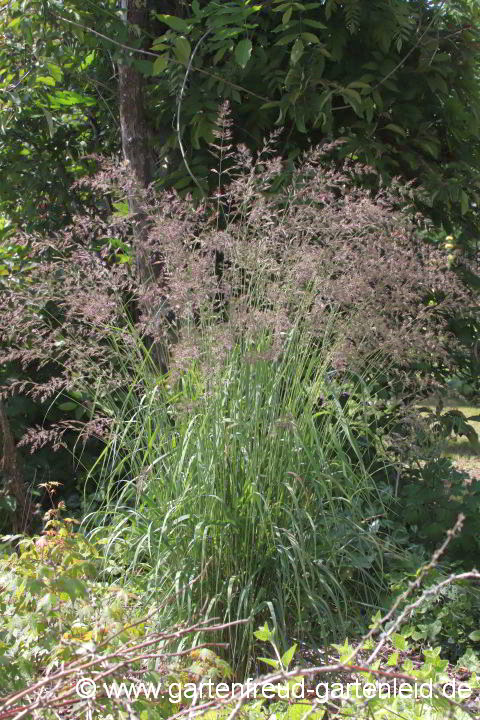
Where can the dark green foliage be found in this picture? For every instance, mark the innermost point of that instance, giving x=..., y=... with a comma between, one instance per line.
x=443, y=424
x=431, y=498
x=451, y=618
x=57, y=108
x=398, y=81
x=369, y=419
x=467, y=355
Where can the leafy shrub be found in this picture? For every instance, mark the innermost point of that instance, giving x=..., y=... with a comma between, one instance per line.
x=61, y=621
x=432, y=496
x=451, y=618
x=42, y=588
x=444, y=424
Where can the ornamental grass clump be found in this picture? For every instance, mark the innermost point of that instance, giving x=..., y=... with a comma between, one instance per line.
x=245, y=464
x=270, y=247
x=273, y=509
x=254, y=259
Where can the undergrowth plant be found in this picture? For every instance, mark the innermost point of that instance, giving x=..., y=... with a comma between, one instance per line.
x=449, y=619
x=65, y=633
x=73, y=644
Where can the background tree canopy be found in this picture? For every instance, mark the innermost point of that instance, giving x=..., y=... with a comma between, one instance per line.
x=397, y=80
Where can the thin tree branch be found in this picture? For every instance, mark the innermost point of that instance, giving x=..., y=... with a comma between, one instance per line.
x=179, y=107
x=149, y=53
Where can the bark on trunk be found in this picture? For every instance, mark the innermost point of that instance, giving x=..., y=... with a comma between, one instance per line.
x=14, y=483
x=137, y=152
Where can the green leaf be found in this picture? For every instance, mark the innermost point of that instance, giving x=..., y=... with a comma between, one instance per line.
x=286, y=39
x=299, y=120
x=69, y=97
x=359, y=84
x=399, y=642
x=67, y=406
x=160, y=64
x=35, y=586
x=243, y=52
x=182, y=50
x=46, y=80
x=377, y=99
x=287, y=657
x=301, y=710
x=314, y=24
x=310, y=37
x=475, y=636
x=264, y=634
x=286, y=16
x=16, y=21
x=121, y=209
x=195, y=8
x=353, y=94
x=55, y=72
x=323, y=99
x=173, y=22
x=396, y=129
x=269, y=661
x=219, y=54
x=297, y=51
x=88, y=60
x=143, y=66
x=430, y=147
x=269, y=105
x=72, y=586
x=353, y=98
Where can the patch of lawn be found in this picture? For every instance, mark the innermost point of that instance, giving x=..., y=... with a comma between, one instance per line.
x=465, y=454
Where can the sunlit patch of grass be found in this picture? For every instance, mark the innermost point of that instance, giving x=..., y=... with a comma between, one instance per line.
x=464, y=453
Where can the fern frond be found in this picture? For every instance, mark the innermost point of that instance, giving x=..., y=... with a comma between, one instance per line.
x=352, y=15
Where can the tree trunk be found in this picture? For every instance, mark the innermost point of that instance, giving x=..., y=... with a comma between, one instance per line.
x=133, y=120
x=138, y=154
x=14, y=483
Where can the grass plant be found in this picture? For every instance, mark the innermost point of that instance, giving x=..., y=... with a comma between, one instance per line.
x=233, y=477
x=257, y=464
